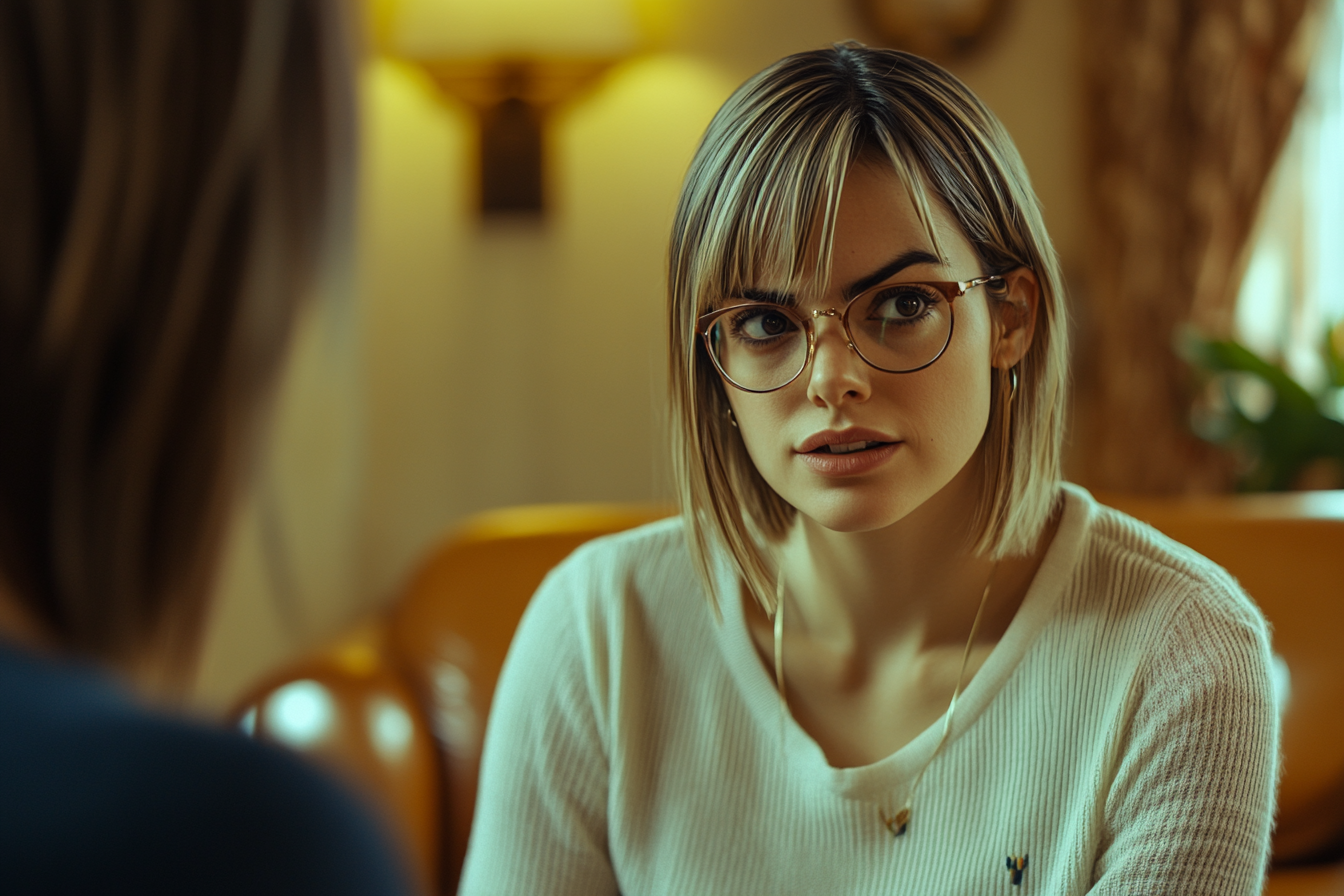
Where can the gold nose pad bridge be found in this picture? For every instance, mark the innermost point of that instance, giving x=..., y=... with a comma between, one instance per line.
x=832, y=312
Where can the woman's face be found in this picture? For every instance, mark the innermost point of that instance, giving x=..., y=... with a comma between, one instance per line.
x=920, y=429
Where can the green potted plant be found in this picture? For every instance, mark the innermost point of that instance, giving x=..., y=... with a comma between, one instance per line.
x=1283, y=435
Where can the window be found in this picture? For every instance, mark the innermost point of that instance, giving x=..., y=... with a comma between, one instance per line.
x=1293, y=290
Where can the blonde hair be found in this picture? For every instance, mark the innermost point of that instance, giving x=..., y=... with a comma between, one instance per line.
x=763, y=187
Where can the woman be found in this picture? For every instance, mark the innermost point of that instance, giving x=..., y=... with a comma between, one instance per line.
x=936, y=669
x=168, y=172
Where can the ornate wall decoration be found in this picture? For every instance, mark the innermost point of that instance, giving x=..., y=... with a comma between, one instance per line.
x=938, y=29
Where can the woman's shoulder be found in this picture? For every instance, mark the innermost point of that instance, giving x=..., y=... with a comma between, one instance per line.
x=97, y=787
x=646, y=560
x=631, y=589
x=1160, y=618
x=658, y=542
x=1134, y=563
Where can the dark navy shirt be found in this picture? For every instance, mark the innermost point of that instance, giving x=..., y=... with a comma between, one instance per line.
x=100, y=796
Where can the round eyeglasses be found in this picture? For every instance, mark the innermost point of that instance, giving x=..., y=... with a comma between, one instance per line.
x=894, y=327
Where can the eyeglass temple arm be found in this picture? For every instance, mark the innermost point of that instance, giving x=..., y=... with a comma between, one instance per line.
x=966, y=285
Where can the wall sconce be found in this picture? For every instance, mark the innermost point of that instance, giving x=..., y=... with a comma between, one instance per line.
x=512, y=62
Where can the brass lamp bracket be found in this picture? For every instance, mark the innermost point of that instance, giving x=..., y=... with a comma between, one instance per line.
x=512, y=99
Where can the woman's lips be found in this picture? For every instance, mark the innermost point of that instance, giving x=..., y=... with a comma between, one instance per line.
x=852, y=464
x=840, y=437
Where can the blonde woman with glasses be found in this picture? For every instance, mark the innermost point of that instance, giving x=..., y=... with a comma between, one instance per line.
x=884, y=649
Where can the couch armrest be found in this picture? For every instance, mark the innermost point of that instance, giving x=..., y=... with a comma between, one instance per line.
x=349, y=708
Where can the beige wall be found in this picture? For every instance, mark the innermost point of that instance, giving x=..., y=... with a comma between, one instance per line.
x=487, y=365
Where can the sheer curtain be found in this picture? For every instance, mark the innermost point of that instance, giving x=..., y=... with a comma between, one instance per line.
x=1293, y=289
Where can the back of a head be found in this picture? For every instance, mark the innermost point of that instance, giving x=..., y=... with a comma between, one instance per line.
x=168, y=172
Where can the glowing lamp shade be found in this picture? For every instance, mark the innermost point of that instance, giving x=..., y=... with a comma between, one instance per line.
x=512, y=61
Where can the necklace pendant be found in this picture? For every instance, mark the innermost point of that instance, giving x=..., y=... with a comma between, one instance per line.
x=897, y=823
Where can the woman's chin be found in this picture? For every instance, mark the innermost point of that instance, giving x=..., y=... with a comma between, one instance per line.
x=847, y=515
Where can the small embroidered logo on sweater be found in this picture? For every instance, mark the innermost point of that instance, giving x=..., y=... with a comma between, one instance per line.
x=1016, y=865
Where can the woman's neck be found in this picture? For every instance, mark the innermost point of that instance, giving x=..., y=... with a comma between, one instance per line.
x=918, y=581
x=149, y=674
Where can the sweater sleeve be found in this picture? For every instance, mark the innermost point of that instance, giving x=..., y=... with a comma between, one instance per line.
x=1189, y=811
x=541, y=809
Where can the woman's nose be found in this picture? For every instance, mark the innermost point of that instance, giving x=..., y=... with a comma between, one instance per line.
x=838, y=374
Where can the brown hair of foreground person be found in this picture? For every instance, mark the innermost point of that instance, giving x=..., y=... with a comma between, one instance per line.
x=166, y=169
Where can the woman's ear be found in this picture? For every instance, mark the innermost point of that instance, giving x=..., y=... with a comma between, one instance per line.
x=1014, y=309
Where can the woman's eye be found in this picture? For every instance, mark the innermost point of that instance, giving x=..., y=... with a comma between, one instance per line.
x=762, y=325
x=902, y=304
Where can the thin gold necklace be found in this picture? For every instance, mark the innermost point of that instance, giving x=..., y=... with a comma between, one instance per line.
x=899, y=822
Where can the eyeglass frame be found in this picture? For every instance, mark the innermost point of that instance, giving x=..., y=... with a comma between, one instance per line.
x=951, y=291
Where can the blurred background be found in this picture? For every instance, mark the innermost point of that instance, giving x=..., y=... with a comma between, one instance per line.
x=473, y=351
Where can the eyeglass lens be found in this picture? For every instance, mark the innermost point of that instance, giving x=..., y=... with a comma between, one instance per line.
x=896, y=328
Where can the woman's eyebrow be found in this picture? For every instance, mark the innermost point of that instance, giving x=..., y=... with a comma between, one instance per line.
x=896, y=265
x=751, y=294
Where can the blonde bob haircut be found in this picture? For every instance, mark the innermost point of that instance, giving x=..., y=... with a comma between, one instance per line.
x=759, y=203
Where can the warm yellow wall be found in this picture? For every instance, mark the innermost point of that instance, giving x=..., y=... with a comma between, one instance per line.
x=515, y=364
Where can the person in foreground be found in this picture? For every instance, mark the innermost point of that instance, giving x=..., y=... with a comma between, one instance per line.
x=169, y=172
x=925, y=665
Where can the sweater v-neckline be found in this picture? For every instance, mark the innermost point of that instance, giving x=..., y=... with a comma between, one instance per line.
x=803, y=756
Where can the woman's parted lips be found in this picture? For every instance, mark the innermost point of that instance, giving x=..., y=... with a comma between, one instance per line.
x=841, y=437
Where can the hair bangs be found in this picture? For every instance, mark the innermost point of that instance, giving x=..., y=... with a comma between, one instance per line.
x=911, y=172
x=773, y=223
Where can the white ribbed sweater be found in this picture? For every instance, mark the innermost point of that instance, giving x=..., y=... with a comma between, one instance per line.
x=1122, y=736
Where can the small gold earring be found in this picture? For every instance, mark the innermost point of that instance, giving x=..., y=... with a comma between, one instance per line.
x=732, y=419
x=1012, y=383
